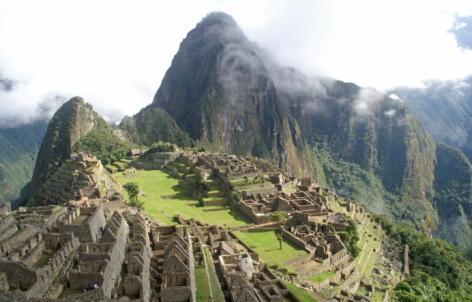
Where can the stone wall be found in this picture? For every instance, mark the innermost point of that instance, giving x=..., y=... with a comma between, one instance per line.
x=136, y=283
x=18, y=274
x=117, y=255
x=90, y=230
x=8, y=227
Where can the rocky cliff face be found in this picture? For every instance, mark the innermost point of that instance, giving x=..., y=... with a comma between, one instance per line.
x=219, y=91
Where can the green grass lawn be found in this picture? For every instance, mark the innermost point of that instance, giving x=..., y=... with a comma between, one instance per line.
x=321, y=277
x=201, y=283
x=160, y=201
x=266, y=245
x=300, y=293
x=214, y=284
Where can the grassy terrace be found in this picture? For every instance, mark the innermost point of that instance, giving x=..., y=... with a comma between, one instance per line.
x=267, y=246
x=300, y=293
x=162, y=200
x=202, y=284
x=215, y=287
x=321, y=277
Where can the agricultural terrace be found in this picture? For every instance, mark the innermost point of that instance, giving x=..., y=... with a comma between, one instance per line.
x=163, y=199
x=266, y=244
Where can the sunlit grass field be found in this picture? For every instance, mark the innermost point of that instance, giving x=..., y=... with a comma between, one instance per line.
x=161, y=202
x=266, y=245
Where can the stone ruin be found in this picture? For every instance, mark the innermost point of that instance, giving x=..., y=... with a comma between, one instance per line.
x=258, y=207
x=231, y=166
x=172, y=263
x=155, y=160
x=75, y=249
x=244, y=276
x=83, y=175
x=320, y=240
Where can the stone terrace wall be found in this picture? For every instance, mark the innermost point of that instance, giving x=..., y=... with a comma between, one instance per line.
x=8, y=227
x=117, y=255
x=90, y=230
x=47, y=273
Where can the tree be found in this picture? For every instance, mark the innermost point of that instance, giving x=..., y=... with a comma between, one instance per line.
x=280, y=217
x=133, y=191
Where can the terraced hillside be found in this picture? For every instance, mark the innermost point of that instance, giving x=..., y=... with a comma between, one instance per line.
x=164, y=198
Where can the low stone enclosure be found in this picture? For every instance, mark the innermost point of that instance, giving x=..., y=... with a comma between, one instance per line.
x=155, y=160
x=320, y=240
x=242, y=275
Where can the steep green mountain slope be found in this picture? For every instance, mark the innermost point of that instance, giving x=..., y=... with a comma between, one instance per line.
x=151, y=125
x=374, y=140
x=453, y=197
x=74, y=127
x=18, y=149
x=445, y=109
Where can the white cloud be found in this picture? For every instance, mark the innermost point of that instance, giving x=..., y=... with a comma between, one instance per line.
x=115, y=53
x=395, y=97
x=365, y=99
x=390, y=112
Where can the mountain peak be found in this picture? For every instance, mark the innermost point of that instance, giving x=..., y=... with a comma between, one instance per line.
x=71, y=121
x=220, y=18
x=215, y=27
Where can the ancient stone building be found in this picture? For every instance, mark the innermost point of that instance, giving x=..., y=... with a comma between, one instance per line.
x=99, y=264
x=259, y=206
x=135, y=282
x=173, y=263
x=86, y=223
x=31, y=259
x=320, y=239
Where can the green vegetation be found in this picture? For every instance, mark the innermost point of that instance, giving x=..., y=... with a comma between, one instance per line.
x=18, y=149
x=266, y=245
x=350, y=238
x=202, y=284
x=351, y=180
x=103, y=143
x=453, y=196
x=153, y=124
x=439, y=272
x=452, y=124
x=215, y=287
x=162, y=147
x=301, y=294
x=280, y=217
x=322, y=277
x=194, y=187
x=132, y=188
x=244, y=181
x=163, y=200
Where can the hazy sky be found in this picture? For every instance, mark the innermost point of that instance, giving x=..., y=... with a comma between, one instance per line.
x=115, y=53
